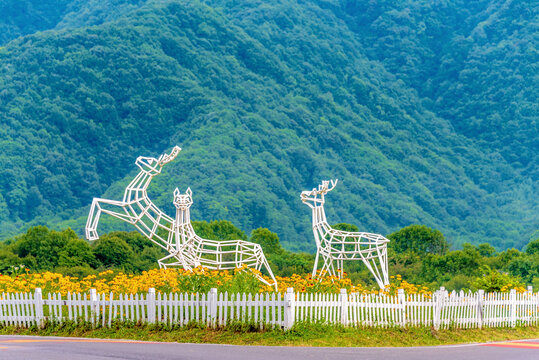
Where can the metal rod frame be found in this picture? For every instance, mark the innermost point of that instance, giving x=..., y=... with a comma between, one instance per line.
x=337, y=246
x=186, y=249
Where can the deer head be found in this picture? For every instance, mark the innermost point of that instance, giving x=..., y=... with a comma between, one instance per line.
x=183, y=201
x=315, y=197
x=152, y=165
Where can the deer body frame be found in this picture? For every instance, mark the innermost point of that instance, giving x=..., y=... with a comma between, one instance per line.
x=136, y=208
x=176, y=236
x=335, y=245
x=214, y=254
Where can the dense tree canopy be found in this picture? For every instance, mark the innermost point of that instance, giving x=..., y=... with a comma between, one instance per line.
x=533, y=248
x=472, y=267
x=420, y=239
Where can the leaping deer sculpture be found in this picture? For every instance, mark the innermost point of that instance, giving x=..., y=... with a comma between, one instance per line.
x=337, y=245
x=176, y=236
x=136, y=207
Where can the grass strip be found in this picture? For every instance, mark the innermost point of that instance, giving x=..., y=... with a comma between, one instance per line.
x=302, y=334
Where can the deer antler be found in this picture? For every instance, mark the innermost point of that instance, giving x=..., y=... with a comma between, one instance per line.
x=333, y=184
x=324, y=187
x=166, y=158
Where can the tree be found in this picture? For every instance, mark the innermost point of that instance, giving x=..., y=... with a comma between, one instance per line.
x=420, y=239
x=493, y=280
x=247, y=163
x=218, y=230
x=77, y=253
x=486, y=250
x=44, y=245
x=7, y=260
x=346, y=227
x=533, y=247
x=113, y=251
x=135, y=240
x=282, y=262
x=268, y=240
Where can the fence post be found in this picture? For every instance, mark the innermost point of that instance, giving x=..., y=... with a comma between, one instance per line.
x=38, y=301
x=402, y=302
x=290, y=308
x=151, y=305
x=343, y=300
x=480, y=295
x=436, y=309
x=212, y=297
x=530, y=290
x=93, y=306
x=437, y=316
x=513, y=301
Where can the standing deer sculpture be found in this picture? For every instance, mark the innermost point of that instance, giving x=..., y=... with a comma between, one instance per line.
x=176, y=236
x=337, y=245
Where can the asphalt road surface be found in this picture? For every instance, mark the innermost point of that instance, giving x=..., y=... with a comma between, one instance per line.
x=56, y=348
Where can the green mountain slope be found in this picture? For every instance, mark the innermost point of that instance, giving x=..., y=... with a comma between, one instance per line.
x=476, y=63
x=23, y=17
x=266, y=100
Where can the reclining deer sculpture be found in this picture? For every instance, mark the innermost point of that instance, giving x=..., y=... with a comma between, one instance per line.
x=176, y=236
x=212, y=254
x=336, y=245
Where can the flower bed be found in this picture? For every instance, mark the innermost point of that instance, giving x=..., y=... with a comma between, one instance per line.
x=198, y=280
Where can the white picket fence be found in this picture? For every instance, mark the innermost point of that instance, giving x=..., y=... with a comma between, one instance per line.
x=442, y=310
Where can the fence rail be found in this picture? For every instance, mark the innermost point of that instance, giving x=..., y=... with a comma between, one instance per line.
x=441, y=310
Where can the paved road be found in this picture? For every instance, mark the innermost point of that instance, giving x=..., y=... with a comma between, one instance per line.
x=55, y=348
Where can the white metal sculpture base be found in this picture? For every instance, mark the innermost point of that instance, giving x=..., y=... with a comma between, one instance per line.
x=336, y=245
x=176, y=236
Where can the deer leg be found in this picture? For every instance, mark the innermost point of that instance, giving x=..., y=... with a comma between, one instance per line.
x=161, y=262
x=264, y=262
x=370, y=261
x=316, y=263
x=380, y=261
x=377, y=276
x=180, y=261
x=328, y=267
x=382, y=258
x=95, y=214
x=340, y=267
x=92, y=221
x=331, y=267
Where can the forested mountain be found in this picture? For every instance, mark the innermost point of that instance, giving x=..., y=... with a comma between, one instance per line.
x=23, y=17
x=426, y=112
x=475, y=62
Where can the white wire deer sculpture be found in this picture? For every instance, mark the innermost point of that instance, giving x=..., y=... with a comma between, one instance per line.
x=337, y=245
x=212, y=254
x=176, y=236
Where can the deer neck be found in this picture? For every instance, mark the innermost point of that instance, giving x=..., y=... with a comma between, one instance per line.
x=319, y=217
x=183, y=230
x=183, y=216
x=138, y=186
